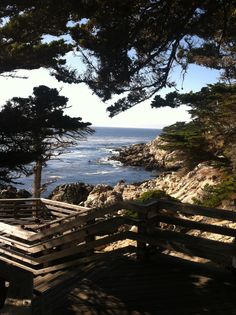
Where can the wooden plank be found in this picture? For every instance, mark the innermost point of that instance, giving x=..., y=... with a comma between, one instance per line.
x=196, y=210
x=15, y=243
x=23, y=258
x=17, y=264
x=85, y=260
x=58, y=214
x=61, y=210
x=19, y=200
x=196, y=251
x=226, y=248
x=141, y=246
x=43, y=284
x=83, y=247
x=52, y=223
x=64, y=205
x=196, y=225
x=16, y=231
x=75, y=237
x=157, y=205
x=185, y=239
x=56, y=221
x=72, y=238
x=76, y=221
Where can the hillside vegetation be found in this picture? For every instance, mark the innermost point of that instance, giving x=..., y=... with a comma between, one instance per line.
x=210, y=136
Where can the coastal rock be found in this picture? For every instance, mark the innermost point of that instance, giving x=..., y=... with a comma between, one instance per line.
x=9, y=192
x=136, y=155
x=72, y=193
x=167, y=160
x=189, y=186
x=185, y=187
x=102, y=195
x=151, y=156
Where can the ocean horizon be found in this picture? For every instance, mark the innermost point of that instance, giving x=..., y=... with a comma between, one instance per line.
x=88, y=161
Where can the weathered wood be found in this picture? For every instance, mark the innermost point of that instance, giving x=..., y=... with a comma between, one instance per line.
x=13, y=254
x=196, y=225
x=75, y=221
x=196, y=210
x=16, y=231
x=64, y=205
x=52, y=250
x=206, y=248
x=75, y=237
x=141, y=245
x=52, y=223
x=83, y=247
x=226, y=248
x=59, y=210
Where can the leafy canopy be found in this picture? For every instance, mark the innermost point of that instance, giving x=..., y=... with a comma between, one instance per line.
x=211, y=135
x=127, y=46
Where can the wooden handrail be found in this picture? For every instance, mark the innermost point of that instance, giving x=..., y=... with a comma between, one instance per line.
x=73, y=230
x=48, y=240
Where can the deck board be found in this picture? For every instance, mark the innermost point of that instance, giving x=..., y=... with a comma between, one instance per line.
x=165, y=287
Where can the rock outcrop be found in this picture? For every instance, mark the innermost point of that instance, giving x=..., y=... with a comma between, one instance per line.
x=151, y=156
x=9, y=192
x=183, y=187
x=186, y=187
x=180, y=184
x=74, y=193
x=136, y=155
x=102, y=195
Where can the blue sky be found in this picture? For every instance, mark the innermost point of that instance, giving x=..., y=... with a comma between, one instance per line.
x=88, y=106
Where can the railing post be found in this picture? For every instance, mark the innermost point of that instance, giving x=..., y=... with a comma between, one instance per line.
x=141, y=245
x=233, y=267
x=90, y=238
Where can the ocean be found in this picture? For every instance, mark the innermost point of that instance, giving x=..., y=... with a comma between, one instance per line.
x=88, y=161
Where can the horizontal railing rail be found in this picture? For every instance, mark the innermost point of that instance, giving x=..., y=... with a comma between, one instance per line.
x=45, y=237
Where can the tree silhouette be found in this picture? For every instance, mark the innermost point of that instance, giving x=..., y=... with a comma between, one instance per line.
x=38, y=126
x=127, y=46
x=211, y=135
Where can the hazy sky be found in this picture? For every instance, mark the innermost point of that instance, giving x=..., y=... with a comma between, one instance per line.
x=88, y=106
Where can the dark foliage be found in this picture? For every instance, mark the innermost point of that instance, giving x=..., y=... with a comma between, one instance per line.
x=127, y=46
x=211, y=135
x=36, y=128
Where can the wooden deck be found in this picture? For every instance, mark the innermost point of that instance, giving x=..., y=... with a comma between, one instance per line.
x=166, y=286
x=52, y=257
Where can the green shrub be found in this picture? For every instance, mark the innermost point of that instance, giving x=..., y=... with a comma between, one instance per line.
x=148, y=196
x=214, y=195
x=155, y=194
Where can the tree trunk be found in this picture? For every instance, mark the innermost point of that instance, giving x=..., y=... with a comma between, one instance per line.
x=37, y=179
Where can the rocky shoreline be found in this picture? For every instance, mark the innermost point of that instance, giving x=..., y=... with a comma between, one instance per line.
x=173, y=180
x=184, y=186
x=150, y=156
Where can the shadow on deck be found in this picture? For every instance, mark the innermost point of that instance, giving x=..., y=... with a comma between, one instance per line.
x=168, y=285
x=52, y=260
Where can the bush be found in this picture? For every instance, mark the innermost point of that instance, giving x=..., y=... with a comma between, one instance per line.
x=155, y=194
x=214, y=195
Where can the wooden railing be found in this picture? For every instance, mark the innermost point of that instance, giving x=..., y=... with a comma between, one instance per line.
x=40, y=236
